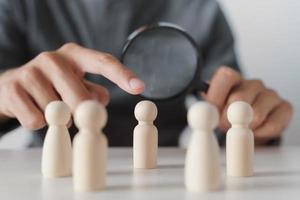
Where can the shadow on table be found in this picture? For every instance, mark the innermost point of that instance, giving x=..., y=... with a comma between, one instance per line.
x=171, y=166
x=276, y=173
x=154, y=186
x=131, y=171
x=119, y=173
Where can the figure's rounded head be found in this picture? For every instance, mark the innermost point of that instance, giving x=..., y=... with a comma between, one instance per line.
x=145, y=111
x=240, y=112
x=90, y=115
x=203, y=115
x=57, y=113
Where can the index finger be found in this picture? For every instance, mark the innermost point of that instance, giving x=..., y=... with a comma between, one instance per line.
x=223, y=81
x=104, y=64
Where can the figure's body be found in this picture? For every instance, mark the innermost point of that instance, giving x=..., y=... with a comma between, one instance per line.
x=240, y=140
x=145, y=136
x=57, y=148
x=202, y=165
x=90, y=148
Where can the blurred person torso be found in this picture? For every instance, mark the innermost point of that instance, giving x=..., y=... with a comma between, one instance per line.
x=29, y=27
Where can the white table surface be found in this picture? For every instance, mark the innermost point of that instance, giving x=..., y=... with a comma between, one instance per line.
x=277, y=176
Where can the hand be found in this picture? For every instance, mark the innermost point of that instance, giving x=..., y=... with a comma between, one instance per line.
x=272, y=114
x=26, y=91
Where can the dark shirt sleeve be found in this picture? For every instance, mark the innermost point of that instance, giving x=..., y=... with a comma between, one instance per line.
x=13, y=51
x=8, y=125
x=219, y=49
x=12, y=45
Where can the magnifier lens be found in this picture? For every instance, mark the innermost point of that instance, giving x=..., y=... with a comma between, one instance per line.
x=165, y=59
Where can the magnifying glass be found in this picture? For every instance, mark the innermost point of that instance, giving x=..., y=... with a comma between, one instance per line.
x=166, y=58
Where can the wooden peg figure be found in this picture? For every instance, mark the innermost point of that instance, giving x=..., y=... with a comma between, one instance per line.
x=145, y=136
x=239, y=140
x=57, y=148
x=202, y=164
x=90, y=147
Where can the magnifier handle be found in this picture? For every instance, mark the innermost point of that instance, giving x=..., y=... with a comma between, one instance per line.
x=202, y=86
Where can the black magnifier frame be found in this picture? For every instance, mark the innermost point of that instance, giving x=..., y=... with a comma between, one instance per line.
x=195, y=85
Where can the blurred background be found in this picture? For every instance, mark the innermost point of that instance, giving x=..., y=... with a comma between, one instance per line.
x=268, y=42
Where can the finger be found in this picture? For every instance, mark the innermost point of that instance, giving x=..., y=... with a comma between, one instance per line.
x=263, y=105
x=104, y=64
x=223, y=81
x=276, y=122
x=66, y=82
x=38, y=87
x=247, y=91
x=98, y=92
x=22, y=107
